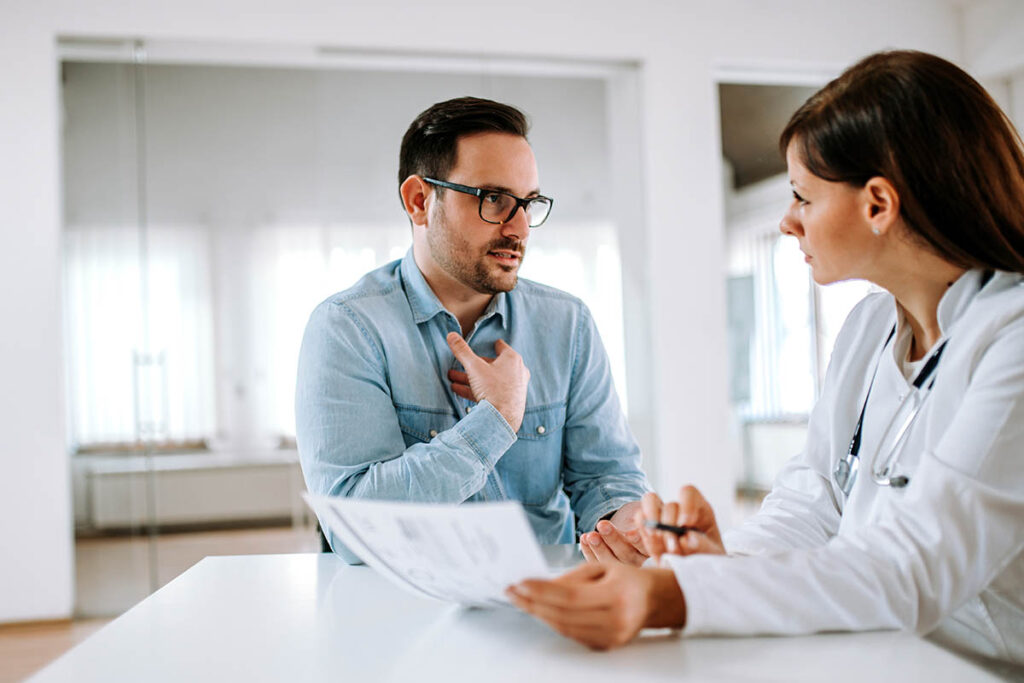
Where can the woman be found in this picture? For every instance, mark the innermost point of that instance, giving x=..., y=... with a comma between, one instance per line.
x=906, y=507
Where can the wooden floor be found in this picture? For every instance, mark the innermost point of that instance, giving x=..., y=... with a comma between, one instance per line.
x=112, y=574
x=26, y=648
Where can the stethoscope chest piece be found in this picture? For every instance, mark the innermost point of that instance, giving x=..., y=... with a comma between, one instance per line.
x=845, y=471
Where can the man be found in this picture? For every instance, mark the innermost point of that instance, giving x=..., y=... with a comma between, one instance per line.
x=442, y=377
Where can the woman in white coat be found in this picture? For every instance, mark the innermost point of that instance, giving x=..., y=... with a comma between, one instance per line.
x=906, y=507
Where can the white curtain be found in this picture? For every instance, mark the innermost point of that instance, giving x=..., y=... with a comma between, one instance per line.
x=203, y=342
x=140, y=334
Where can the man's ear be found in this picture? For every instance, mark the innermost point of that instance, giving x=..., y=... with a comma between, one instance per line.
x=881, y=205
x=414, y=191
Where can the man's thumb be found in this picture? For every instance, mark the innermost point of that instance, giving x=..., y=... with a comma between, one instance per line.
x=461, y=349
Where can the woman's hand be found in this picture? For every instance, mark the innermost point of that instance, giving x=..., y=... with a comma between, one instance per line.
x=603, y=605
x=691, y=511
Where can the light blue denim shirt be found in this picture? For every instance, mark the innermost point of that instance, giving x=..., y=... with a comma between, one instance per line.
x=376, y=416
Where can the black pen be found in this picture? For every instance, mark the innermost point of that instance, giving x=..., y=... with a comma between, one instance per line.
x=677, y=530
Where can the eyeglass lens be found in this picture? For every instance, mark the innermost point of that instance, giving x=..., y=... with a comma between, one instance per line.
x=497, y=207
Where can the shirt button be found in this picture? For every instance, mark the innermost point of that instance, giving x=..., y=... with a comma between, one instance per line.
x=469, y=408
x=541, y=430
x=433, y=433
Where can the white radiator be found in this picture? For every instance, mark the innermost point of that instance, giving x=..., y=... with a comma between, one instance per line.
x=191, y=489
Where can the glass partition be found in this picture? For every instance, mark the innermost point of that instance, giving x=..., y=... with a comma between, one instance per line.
x=208, y=208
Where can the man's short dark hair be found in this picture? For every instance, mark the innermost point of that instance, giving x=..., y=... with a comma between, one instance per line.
x=430, y=145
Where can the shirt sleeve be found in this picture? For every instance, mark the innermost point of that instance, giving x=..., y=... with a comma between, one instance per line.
x=347, y=429
x=601, y=459
x=949, y=534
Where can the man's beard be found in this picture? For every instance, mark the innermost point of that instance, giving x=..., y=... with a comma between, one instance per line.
x=453, y=254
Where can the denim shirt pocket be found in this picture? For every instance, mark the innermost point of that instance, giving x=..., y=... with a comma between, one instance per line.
x=420, y=425
x=531, y=470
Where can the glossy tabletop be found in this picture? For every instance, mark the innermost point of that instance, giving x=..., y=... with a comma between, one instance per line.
x=312, y=618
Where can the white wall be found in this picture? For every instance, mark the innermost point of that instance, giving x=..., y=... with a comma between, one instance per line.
x=679, y=45
x=993, y=33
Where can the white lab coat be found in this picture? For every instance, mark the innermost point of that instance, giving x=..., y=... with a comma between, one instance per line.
x=942, y=555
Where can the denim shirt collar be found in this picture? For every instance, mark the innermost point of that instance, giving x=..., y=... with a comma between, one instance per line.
x=425, y=304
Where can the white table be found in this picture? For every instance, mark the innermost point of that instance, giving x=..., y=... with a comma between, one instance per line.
x=312, y=618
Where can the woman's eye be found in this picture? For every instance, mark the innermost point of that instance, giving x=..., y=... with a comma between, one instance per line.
x=492, y=198
x=799, y=198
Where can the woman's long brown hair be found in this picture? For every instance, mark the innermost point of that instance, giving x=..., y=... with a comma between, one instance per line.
x=930, y=129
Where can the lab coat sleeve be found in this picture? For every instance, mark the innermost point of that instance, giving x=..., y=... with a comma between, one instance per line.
x=950, y=532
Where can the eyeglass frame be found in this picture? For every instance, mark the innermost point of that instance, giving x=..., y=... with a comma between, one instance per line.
x=479, y=193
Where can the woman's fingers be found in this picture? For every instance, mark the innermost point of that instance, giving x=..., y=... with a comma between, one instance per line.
x=670, y=515
x=695, y=511
x=695, y=543
x=654, y=543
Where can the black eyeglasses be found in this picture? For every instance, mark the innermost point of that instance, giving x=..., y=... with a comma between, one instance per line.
x=499, y=207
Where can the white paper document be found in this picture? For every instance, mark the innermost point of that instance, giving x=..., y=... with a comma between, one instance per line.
x=467, y=553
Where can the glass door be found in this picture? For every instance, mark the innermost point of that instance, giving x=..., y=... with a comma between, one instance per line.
x=209, y=207
x=116, y=383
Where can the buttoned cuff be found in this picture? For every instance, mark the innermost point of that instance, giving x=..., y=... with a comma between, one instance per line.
x=486, y=432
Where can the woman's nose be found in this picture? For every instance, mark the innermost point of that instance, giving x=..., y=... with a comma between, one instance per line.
x=790, y=225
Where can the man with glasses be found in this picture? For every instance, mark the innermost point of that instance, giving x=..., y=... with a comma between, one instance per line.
x=444, y=378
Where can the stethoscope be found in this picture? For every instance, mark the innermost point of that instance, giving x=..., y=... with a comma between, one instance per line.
x=845, y=471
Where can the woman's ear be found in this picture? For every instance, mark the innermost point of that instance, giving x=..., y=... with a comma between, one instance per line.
x=414, y=191
x=881, y=205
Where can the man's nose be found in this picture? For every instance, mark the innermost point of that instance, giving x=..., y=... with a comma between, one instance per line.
x=518, y=226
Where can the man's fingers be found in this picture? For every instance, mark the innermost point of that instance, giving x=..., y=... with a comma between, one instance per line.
x=458, y=377
x=501, y=347
x=597, y=546
x=620, y=544
x=461, y=349
x=588, y=554
x=464, y=391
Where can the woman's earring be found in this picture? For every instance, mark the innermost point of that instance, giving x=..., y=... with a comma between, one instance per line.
x=876, y=231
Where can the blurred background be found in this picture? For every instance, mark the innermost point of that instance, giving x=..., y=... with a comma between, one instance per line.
x=181, y=183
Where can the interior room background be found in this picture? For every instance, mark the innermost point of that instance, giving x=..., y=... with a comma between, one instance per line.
x=155, y=298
